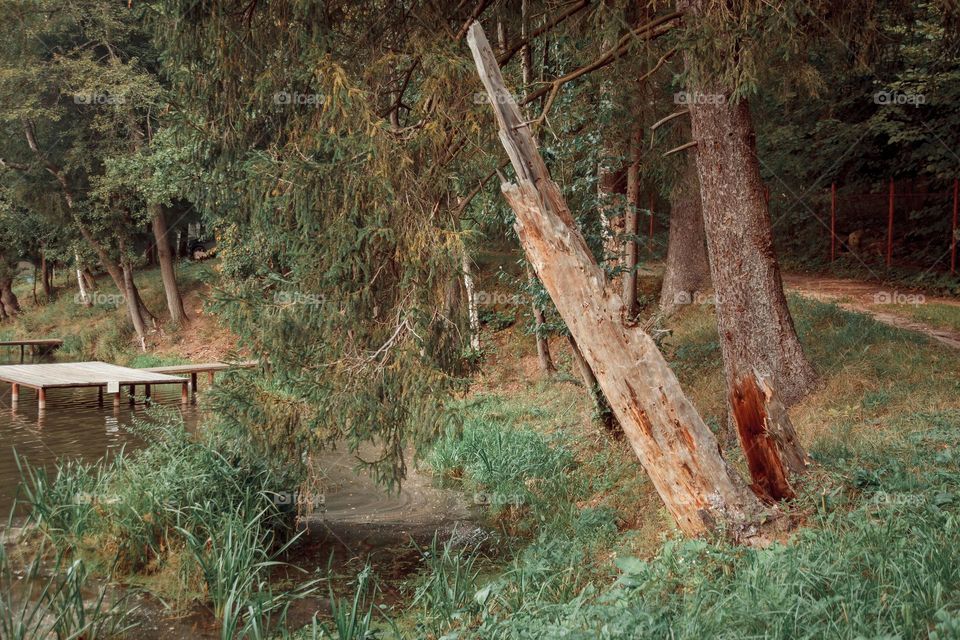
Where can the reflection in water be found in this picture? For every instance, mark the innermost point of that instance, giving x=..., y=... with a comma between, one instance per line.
x=72, y=426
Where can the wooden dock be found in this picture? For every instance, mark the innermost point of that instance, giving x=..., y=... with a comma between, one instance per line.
x=101, y=375
x=108, y=377
x=45, y=343
x=209, y=368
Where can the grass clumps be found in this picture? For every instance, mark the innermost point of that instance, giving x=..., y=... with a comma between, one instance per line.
x=191, y=517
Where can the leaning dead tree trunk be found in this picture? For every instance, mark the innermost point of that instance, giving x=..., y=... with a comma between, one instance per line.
x=678, y=451
x=688, y=270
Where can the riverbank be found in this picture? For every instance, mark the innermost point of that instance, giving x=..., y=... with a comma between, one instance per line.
x=573, y=541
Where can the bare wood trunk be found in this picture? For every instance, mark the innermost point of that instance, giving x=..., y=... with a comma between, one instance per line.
x=178, y=315
x=678, y=451
x=688, y=268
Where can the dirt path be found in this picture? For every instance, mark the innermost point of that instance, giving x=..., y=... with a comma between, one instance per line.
x=866, y=297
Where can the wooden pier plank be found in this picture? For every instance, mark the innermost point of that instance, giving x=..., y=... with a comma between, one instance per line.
x=80, y=374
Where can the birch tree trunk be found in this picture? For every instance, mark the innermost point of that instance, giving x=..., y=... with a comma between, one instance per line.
x=678, y=451
x=82, y=284
x=472, y=312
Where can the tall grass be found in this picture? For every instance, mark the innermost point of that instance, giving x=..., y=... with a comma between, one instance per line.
x=51, y=600
x=190, y=516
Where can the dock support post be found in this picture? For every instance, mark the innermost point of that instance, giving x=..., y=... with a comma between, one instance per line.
x=21, y=354
x=99, y=396
x=193, y=381
x=14, y=393
x=184, y=393
x=41, y=398
x=146, y=391
x=210, y=376
x=133, y=394
x=116, y=400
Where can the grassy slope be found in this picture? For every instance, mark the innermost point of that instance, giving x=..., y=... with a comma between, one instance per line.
x=594, y=555
x=103, y=332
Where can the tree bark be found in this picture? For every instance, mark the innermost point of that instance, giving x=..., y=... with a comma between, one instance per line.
x=755, y=325
x=131, y=297
x=178, y=315
x=678, y=451
x=688, y=268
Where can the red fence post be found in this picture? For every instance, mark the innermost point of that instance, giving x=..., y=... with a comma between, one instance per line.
x=953, y=229
x=833, y=221
x=890, y=228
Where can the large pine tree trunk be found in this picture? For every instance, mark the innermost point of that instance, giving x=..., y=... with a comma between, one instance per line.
x=756, y=329
x=688, y=269
x=678, y=451
x=178, y=315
